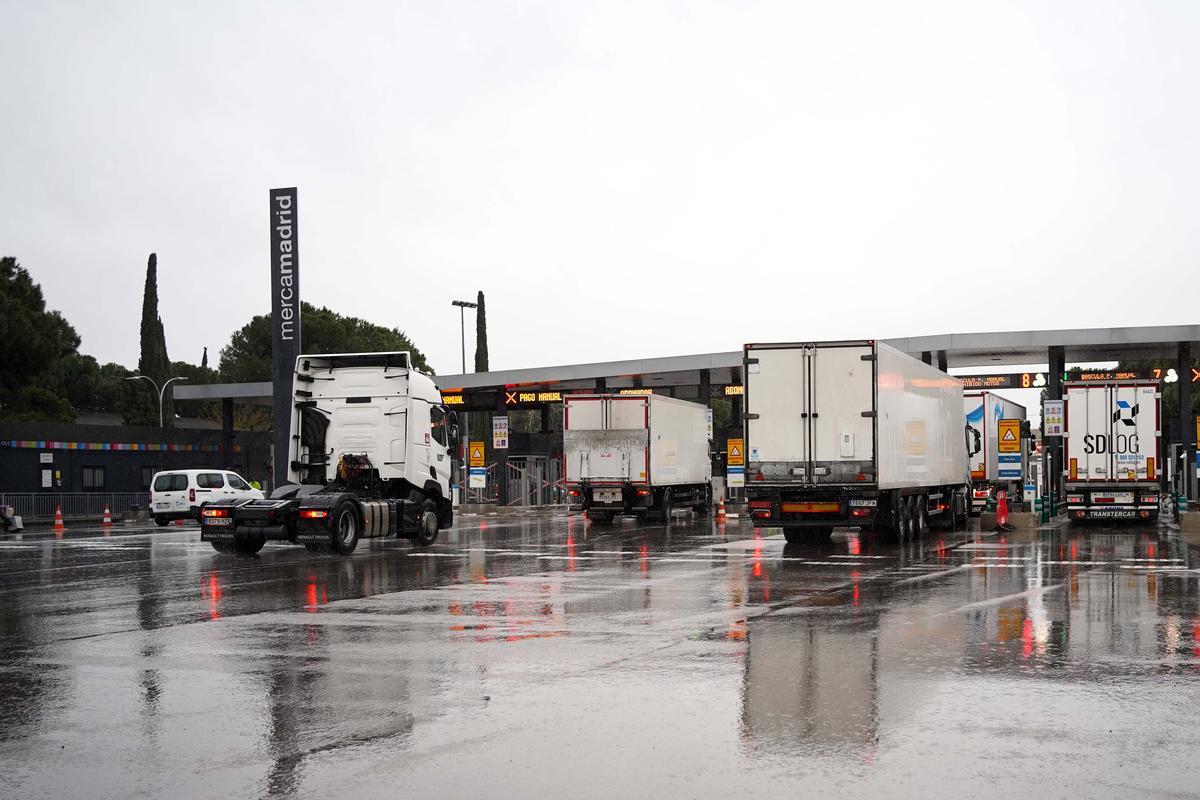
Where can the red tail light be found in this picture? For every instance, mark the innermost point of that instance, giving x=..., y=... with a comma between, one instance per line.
x=573, y=492
x=862, y=476
x=314, y=513
x=759, y=477
x=761, y=513
x=860, y=512
x=191, y=495
x=643, y=492
x=760, y=503
x=215, y=512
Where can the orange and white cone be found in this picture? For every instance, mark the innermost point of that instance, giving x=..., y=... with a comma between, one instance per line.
x=58, y=520
x=107, y=517
x=721, y=511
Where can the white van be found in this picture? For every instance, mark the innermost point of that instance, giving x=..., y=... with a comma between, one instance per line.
x=178, y=494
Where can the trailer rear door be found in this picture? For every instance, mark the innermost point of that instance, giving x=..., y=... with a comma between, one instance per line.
x=811, y=412
x=1112, y=432
x=605, y=439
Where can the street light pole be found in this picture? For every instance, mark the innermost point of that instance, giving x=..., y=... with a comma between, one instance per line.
x=463, y=305
x=161, y=390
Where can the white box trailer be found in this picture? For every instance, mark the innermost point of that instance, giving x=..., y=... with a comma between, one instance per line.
x=1112, y=460
x=852, y=433
x=984, y=410
x=636, y=454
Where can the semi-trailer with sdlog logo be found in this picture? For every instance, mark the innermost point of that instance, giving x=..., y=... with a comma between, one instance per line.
x=1112, y=462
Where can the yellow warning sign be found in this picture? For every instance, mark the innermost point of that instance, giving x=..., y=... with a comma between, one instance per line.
x=737, y=453
x=1010, y=436
x=476, y=454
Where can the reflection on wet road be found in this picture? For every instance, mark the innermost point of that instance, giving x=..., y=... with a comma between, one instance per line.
x=536, y=656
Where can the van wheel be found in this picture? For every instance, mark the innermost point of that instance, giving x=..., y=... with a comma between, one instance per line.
x=427, y=524
x=345, y=528
x=161, y=521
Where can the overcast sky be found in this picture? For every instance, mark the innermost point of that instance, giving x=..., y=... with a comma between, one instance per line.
x=621, y=179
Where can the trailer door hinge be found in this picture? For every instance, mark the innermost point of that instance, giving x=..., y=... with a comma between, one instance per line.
x=868, y=357
x=302, y=393
x=749, y=361
x=868, y=413
x=748, y=415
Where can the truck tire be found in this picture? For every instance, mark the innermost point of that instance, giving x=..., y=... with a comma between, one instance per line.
x=904, y=521
x=224, y=547
x=161, y=521
x=346, y=527
x=247, y=544
x=427, y=524
x=920, y=516
x=706, y=505
x=667, y=504
x=600, y=517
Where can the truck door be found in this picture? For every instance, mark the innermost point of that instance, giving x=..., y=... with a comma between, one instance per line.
x=605, y=439
x=1134, y=421
x=840, y=403
x=439, y=446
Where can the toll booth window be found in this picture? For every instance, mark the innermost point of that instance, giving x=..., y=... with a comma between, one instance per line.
x=437, y=424
x=93, y=477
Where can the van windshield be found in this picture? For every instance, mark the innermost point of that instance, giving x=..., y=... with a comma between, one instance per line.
x=171, y=482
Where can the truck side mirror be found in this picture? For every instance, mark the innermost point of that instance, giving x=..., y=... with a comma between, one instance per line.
x=454, y=433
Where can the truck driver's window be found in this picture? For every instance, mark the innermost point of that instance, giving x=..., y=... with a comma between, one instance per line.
x=437, y=424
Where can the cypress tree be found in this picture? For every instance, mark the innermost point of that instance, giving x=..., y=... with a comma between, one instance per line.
x=204, y=359
x=153, y=362
x=481, y=350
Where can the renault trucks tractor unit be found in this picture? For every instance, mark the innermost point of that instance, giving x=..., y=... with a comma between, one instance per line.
x=370, y=457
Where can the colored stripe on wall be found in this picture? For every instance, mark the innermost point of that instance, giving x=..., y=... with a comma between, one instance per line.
x=167, y=447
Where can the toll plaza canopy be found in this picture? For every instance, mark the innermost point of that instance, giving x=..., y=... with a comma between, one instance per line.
x=1055, y=348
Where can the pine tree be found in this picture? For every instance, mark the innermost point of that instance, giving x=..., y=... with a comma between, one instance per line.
x=481, y=349
x=154, y=362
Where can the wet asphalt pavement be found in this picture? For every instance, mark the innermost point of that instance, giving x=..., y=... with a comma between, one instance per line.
x=542, y=656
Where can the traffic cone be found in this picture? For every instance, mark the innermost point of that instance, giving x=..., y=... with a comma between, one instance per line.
x=107, y=517
x=721, y=511
x=58, y=520
x=1002, y=510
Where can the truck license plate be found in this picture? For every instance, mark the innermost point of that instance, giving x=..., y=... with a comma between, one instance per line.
x=607, y=496
x=218, y=521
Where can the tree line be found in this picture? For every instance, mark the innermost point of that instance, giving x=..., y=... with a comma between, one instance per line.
x=44, y=376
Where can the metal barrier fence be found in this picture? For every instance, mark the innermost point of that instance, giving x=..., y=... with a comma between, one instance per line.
x=535, y=481
x=92, y=504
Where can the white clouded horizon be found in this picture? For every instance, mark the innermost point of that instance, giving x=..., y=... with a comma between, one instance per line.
x=621, y=180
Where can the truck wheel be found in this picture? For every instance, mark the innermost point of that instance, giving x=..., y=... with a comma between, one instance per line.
x=161, y=521
x=920, y=516
x=600, y=517
x=345, y=528
x=224, y=547
x=427, y=524
x=707, y=505
x=668, y=504
x=904, y=521
x=248, y=544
